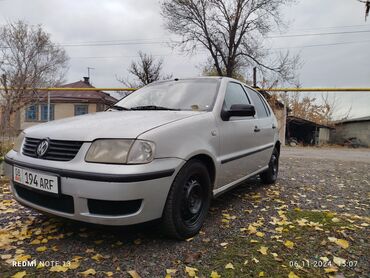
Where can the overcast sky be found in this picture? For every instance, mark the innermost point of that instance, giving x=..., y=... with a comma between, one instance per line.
x=134, y=25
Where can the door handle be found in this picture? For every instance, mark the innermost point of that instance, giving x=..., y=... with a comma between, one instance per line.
x=256, y=129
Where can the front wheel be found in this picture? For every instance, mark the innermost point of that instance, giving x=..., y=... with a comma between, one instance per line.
x=271, y=174
x=188, y=201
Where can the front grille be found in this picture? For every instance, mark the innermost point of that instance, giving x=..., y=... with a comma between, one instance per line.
x=113, y=208
x=59, y=150
x=63, y=203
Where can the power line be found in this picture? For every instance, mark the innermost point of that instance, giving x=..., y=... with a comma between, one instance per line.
x=318, y=34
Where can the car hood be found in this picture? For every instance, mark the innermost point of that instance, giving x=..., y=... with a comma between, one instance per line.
x=111, y=124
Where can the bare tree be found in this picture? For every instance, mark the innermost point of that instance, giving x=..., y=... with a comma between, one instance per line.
x=367, y=7
x=146, y=70
x=232, y=31
x=28, y=59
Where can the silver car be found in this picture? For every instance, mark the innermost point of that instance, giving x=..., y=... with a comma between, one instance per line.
x=162, y=153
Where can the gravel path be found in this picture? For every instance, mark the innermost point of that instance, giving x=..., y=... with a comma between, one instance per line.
x=334, y=181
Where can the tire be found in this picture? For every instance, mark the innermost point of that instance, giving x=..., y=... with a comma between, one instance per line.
x=188, y=201
x=271, y=174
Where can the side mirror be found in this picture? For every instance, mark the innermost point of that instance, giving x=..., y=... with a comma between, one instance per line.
x=238, y=110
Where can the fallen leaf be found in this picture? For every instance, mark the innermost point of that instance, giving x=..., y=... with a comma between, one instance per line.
x=191, y=271
x=342, y=243
x=229, y=266
x=261, y=274
x=58, y=268
x=6, y=256
x=214, y=274
x=35, y=241
x=263, y=250
x=260, y=234
x=97, y=257
x=335, y=220
x=330, y=270
x=292, y=275
x=41, y=249
x=339, y=261
x=109, y=273
x=255, y=260
x=223, y=244
x=289, y=244
x=88, y=272
x=133, y=274
x=19, y=274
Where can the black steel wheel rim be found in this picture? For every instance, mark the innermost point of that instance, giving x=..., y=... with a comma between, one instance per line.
x=274, y=165
x=192, y=202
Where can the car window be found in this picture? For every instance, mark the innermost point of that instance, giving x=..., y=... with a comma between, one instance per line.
x=258, y=104
x=235, y=94
x=193, y=94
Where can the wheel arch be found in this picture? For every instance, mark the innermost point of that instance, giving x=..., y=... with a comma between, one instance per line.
x=278, y=146
x=209, y=163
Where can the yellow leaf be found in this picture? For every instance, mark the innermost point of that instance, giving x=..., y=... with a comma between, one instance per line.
x=74, y=265
x=109, y=273
x=330, y=270
x=260, y=234
x=274, y=255
x=289, y=244
x=342, y=243
x=41, y=249
x=223, y=244
x=253, y=241
x=22, y=258
x=252, y=229
x=170, y=273
x=6, y=256
x=58, y=268
x=97, y=257
x=229, y=266
x=324, y=259
x=191, y=271
x=88, y=272
x=292, y=275
x=55, y=248
x=339, y=261
x=133, y=274
x=255, y=260
x=335, y=220
x=35, y=241
x=214, y=274
x=261, y=274
x=263, y=250
x=332, y=239
x=19, y=274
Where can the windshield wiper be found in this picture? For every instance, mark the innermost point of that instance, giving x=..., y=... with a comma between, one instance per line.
x=153, y=107
x=119, y=108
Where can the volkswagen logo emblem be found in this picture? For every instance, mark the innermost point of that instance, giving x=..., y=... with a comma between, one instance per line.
x=42, y=148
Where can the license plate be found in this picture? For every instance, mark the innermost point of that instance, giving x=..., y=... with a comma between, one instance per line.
x=36, y=180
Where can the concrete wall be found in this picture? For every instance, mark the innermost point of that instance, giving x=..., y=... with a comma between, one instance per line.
x=281, y=119
x=360, y=130
x=61, y=110
x=324, y=135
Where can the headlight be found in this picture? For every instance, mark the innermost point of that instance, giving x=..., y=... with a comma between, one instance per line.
x=141, y=152
x=18, y=142
x=119, y=151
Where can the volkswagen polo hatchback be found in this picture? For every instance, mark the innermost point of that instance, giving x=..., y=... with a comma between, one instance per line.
x=160, y=153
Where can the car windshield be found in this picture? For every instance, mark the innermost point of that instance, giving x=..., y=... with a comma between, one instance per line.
x=195, y=95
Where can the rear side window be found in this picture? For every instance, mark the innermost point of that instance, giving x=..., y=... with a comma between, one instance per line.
x=258, y=104
x=235, y=94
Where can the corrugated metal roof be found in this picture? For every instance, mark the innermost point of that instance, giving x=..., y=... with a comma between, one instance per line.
x=362, y=119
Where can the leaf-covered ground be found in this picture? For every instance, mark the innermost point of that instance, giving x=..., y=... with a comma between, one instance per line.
x=313, y=223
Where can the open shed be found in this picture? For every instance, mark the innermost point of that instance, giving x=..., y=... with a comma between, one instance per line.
x=306, y=132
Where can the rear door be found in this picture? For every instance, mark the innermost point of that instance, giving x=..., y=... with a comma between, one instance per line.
x=265, y=127
x=238, y=139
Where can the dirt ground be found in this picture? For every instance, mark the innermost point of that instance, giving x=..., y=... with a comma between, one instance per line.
x=314, y=222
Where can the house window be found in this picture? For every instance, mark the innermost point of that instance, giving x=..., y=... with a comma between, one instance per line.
x=44, y=112
x=32, y=113
x=81, y=109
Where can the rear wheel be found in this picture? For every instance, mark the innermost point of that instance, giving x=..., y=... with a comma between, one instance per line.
x=188, y=201
x=271, y=174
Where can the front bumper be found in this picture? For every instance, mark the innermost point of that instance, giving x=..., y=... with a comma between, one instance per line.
x=102, y=185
